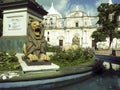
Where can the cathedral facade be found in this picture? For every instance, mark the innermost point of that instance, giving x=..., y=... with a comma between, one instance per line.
x=61, y=31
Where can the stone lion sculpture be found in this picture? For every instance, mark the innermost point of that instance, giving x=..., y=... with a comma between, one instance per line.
x=35, y=47
x=70, y=47
x=75, y=44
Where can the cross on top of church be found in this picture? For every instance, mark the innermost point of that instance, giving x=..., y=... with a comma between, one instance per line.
x=110, y=2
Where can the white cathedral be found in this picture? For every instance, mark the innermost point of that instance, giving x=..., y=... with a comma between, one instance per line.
x=60, y=31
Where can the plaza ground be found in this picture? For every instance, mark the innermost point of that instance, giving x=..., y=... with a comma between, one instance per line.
x=107, y=52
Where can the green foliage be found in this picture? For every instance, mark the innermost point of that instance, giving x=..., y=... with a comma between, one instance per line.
x=73, y=57
x=118, y=34
x=9, y=61
x=51, y=48
x=108, y=20
x=98, y=36
x=12, y=52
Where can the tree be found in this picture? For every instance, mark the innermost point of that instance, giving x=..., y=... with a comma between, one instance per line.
x=108, y=21
x=1, y=27
x=98, y=37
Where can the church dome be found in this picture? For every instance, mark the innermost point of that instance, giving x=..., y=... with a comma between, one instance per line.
x=53, y=11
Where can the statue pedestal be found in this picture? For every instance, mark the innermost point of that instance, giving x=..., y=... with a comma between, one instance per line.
x=37, y=63
x=12, y=43
x=36, y=68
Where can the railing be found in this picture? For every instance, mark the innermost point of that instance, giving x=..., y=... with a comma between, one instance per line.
x=108, y=58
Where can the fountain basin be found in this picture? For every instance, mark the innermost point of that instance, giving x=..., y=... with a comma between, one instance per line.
x=52, y=79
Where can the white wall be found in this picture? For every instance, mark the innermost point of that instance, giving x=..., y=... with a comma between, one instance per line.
x=15, y=22
x=84, y=29
x=67, y=36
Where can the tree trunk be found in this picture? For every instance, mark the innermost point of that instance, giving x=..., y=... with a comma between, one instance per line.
x=111, y=39
x=96, y=46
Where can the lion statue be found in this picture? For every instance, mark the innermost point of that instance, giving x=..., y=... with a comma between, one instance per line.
x=70, y=47
x=35, y=47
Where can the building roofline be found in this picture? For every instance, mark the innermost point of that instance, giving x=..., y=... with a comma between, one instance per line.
x=77, y=11
x=53, y=11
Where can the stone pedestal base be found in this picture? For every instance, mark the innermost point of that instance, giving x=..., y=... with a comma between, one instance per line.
x=34, y=63
x=36, y=68
x=12, y=43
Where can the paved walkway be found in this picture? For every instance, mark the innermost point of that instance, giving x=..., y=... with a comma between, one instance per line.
x=107, y=52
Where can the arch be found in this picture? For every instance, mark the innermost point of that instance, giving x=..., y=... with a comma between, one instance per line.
x=60, y=37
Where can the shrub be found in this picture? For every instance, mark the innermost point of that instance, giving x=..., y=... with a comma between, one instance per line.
x=73, y=57
x=9, y=61
x=51, y=48
x=11, y=53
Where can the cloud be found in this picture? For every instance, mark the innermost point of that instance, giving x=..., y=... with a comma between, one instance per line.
x=65, y=6
x=98, y=2
x=59, y=5
x=92, y=11
x=45, y=3
x=62, y=4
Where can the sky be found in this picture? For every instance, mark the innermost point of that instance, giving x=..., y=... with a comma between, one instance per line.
x=65, y=6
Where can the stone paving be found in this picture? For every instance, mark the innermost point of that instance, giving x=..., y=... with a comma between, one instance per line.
x=107, y=52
